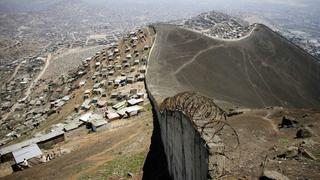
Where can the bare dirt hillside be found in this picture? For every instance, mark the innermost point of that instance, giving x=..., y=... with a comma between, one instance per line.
x=261, y=70
x=69, y=60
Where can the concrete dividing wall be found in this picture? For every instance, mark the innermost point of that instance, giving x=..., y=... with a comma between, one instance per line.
x=186, y=154
x=185, y=150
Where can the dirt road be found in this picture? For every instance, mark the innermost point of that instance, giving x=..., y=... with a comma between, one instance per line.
x=34, y=82
x=15, y=72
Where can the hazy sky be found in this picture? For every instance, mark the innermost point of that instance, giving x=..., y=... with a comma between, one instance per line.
x=216, y=4
x=181, y=8
x=196, y=4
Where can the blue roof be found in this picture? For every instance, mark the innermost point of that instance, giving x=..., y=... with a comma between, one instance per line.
x=26, y=153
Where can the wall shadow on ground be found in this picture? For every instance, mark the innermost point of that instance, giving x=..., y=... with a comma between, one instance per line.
x=156, y=166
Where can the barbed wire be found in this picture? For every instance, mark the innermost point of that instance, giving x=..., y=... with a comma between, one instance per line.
x=207, y=117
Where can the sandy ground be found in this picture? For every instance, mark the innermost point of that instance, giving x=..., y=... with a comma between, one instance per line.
x=68, y=60
x=261, y=141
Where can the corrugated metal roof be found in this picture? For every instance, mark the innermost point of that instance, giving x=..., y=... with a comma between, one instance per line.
x=50, y=135
x=17, y=146
x=113, y=115
x=73, y=125
x=29, y=142
x=26, y=153
x=133, y=108
x=122, y=112
x=85, y=117
x=88, y=117
x=98, y=122
x=135, y=101
x=120, y=105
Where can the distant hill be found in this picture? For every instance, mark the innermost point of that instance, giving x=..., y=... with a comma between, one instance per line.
x=261, y=70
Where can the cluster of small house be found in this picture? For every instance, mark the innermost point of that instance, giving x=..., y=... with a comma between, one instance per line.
x=230, y=31
x=31, y=111
x=31, y=150
x=113, y=89
x=127, y=106
x=115, y=71
x=14, y=88
x=116, y=67
x=218, y=25
x=83, y=39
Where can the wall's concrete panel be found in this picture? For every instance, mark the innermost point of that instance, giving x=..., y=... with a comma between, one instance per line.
x=186, y=152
